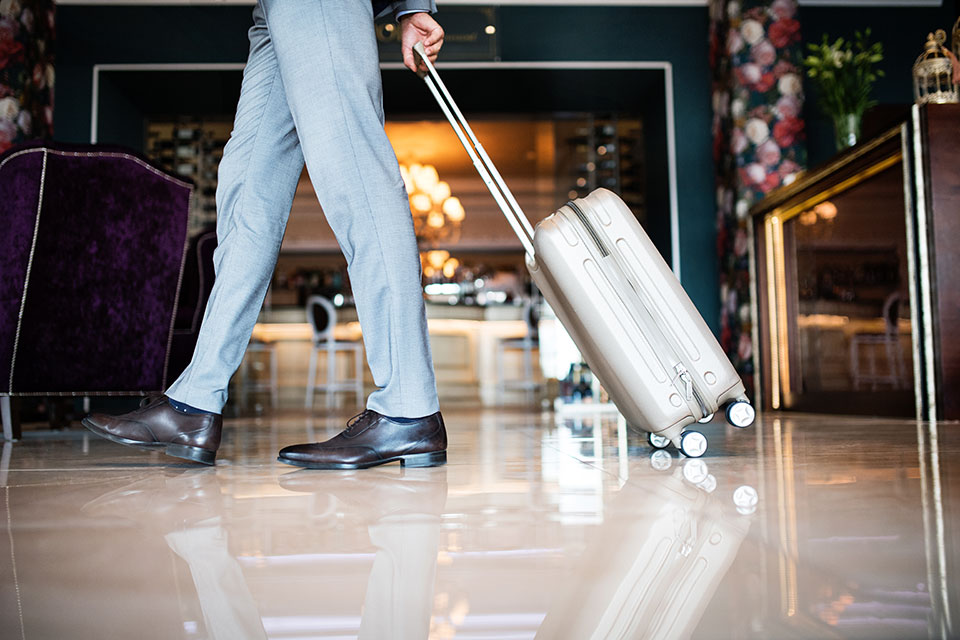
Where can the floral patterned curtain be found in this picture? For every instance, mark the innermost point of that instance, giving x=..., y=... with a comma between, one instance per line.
x=26, y=70
x=758, y=140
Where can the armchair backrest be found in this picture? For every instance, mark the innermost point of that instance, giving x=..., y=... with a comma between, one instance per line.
x=90, y=264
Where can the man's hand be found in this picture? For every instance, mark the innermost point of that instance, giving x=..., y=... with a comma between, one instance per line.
x=419, y=27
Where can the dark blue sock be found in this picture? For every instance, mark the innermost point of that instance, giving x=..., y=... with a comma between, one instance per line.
x=405, y=420
x=183, y=407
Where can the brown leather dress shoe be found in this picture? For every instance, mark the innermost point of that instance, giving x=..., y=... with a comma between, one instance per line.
x=157, y=425
x=162, y=502
x=371, y=439
x=376, y=494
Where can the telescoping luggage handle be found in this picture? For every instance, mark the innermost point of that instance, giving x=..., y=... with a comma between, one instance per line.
x=485, y=167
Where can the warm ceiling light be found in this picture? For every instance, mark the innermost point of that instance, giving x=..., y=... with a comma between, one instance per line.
x=826, y=210
x=490, y=30
x=807, y=218
x=440, y=192
x=435, y=219
x=454, y=209
x=421, y=203
x=450, y=267
x=436, y=258
x=415, y=170
x=427, y=179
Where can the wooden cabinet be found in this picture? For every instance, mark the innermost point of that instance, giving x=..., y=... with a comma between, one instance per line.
x=858, y=277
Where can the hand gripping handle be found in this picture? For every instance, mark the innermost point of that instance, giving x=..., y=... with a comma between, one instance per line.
x=485, y=167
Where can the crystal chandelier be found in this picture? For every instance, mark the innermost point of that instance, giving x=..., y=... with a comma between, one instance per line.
x=436, y=217
x=438, y=262
x=436, y=214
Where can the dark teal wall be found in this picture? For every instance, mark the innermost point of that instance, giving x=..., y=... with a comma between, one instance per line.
x=97, y=35
x=676, y=35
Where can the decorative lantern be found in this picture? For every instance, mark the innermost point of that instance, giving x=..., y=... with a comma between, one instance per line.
x=933, y=73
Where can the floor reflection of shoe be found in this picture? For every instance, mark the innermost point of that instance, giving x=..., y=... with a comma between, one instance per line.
x=162, y=503
x=371, y=439
x=376, y=495
x=157, y=425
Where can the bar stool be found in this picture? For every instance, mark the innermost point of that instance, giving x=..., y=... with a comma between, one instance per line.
x=251, y=361
x=524, y=344
x=888, y=342
x=322, y=316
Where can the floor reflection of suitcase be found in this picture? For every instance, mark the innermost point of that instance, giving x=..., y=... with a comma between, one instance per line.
x=654, y=566
x=626, y=311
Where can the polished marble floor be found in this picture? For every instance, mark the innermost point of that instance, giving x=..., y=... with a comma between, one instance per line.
x=540, y=526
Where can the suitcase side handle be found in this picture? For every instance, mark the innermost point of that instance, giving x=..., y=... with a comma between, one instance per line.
x=485, y=167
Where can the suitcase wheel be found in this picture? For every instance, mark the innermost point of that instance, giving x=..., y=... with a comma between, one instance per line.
x=741, y=414
x=657, y=441
x=746, y=499
x=661, y=460
x=696, y=471
x=693, y=444
x=706, y=419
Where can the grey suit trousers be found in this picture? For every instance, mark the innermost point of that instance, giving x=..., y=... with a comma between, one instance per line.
x=312, y=92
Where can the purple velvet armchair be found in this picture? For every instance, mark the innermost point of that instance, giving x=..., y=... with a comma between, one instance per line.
x=92, y=252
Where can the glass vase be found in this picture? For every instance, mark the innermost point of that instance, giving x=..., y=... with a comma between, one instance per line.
x=846, y=127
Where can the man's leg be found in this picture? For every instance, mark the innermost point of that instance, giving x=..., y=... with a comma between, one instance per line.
x=328, y=59
x=229, y=609
x=258, y=176
x=399, y=600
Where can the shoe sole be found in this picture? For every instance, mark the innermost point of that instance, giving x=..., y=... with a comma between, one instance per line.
x=182, y=451
x=433, y=459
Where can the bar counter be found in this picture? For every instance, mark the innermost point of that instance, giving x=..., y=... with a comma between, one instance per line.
x=463, y=340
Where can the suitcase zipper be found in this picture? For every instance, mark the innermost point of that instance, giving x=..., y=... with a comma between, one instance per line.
x=687, y=382
x=689, y=388
x=590, y=230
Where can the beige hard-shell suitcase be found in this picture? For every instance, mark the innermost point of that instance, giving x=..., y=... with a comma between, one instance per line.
x=622, y=305
x=653, y=567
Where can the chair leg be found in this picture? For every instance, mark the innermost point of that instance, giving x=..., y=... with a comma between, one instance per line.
x=358, y=367
x=331, y=372
x=499, y=391
x=901, y=367
x=5, y=463
x=274, y=382
x=10, y=415
x=528, y=370
x=311, y=378
x=57, y=412
x=855, y=362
